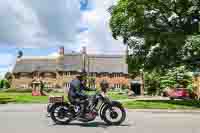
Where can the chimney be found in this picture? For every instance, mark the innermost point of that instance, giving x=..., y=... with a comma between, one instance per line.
x=20, y=54
x=84, y=50
x=61, y=51
x=84, y=54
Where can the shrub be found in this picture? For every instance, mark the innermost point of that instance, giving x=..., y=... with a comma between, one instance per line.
x=125, y=87
x=152, y=83
x=4, y=84
x=165, y=83
x=47, y=90
x=1, y=84
x=156, y=82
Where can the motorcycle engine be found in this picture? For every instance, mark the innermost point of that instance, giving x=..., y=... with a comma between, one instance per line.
x=90, y=116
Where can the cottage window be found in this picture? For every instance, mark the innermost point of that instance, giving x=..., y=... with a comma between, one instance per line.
x=114, y=86
x=24, y=86
x=35, y=74
x=49, y=85
x=17, y=76
x=68, y=73
x=104, y=74
x=67, y=85
x=93, y=74
x=117, y=75
x=117, y=86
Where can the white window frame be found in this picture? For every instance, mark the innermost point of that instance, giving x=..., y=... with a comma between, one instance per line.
x=117, y=86
x=68, y=74
x=67, y=85
x=117, y=75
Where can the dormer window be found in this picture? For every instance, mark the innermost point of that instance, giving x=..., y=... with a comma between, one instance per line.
x=68, y=74
x=26, y=75
x=104, y=74
x=116, y=75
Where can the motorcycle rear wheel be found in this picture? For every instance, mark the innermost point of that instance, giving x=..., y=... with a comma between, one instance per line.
x=64, y=115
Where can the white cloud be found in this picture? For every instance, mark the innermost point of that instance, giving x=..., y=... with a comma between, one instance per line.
x=47, y=23
x=54, y=54
x=98, y=37
x=38, y=23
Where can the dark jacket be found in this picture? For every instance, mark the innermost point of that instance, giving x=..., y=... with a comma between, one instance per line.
x=76, y=90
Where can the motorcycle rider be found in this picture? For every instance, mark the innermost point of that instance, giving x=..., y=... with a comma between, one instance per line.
x=76, y=93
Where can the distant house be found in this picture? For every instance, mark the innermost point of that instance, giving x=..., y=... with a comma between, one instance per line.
x=57, y=72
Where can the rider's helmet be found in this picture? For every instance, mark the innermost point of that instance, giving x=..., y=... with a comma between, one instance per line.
x=104, y=85
x=82, y=75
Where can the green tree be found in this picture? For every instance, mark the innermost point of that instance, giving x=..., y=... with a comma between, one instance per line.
x=156, y=82
x=4, y=84
x=7, y=80
x=157, y=32
x=1, y=83
x=8, y=76
x=175, y=77
x=152, y=83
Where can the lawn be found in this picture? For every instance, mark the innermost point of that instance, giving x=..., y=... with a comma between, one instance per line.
x=162, y=104
x=24, y=97
x=16, y=97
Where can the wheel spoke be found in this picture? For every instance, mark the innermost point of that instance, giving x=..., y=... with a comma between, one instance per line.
x=62, y=114
x=114, y=114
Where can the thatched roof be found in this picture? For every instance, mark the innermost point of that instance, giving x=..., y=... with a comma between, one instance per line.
x=73, y=62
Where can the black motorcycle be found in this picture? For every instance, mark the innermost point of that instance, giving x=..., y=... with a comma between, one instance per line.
x=111, y=112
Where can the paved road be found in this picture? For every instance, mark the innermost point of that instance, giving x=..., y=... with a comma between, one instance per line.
x=32, y=119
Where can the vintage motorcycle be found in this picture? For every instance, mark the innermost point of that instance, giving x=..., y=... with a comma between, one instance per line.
x=111, y=112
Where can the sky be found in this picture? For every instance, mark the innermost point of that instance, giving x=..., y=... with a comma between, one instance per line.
x=40, y=27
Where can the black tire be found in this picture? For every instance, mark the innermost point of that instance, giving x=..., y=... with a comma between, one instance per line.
x=123, y=117
x=54, y=118
x=171, y=98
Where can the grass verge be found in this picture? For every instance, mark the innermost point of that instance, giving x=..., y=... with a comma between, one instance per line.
x=162, y=104
x=16, y=97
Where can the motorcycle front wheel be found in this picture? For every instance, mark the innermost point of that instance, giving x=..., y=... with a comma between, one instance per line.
x=61, y=114
x=114, y=114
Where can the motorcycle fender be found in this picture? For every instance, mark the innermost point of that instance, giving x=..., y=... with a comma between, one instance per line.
x=116, y=103
x=52, y=105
